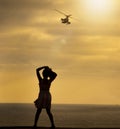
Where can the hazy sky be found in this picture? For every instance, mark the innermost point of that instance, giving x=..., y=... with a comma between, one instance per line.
x=85, y=54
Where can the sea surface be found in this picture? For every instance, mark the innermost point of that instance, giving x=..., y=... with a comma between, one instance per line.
x=79, y=116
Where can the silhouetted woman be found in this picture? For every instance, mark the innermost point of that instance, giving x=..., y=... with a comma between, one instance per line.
x=44, y=98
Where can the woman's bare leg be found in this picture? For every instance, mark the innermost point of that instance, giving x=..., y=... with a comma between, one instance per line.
x=37, y=116
x=50, y=117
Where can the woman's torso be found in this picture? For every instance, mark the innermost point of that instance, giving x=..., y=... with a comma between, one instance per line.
x=44, y=85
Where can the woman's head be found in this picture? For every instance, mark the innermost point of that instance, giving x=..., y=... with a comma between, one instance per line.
x=46, y=72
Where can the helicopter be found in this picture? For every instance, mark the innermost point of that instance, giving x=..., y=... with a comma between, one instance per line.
x=66, y=19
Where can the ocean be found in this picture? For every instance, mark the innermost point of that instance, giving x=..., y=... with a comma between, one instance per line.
x=79, y=116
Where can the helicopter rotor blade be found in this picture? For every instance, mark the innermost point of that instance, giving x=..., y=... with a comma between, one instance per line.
x=69, y=16
x=75, y=19
x=60, y=12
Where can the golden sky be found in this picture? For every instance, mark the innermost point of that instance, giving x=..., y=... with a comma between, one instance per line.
x=84, y=54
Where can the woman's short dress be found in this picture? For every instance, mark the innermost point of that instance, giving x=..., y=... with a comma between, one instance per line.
x=43, y=100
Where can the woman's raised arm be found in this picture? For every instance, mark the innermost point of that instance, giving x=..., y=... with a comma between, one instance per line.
x=37, y=72
x=53, y=76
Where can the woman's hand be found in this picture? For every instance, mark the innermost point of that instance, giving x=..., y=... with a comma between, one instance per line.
x=46, y=67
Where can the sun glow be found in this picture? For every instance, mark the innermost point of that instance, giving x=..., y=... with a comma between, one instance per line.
x=98, y=6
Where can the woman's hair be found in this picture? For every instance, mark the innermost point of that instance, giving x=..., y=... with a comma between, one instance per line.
x=46, y=72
